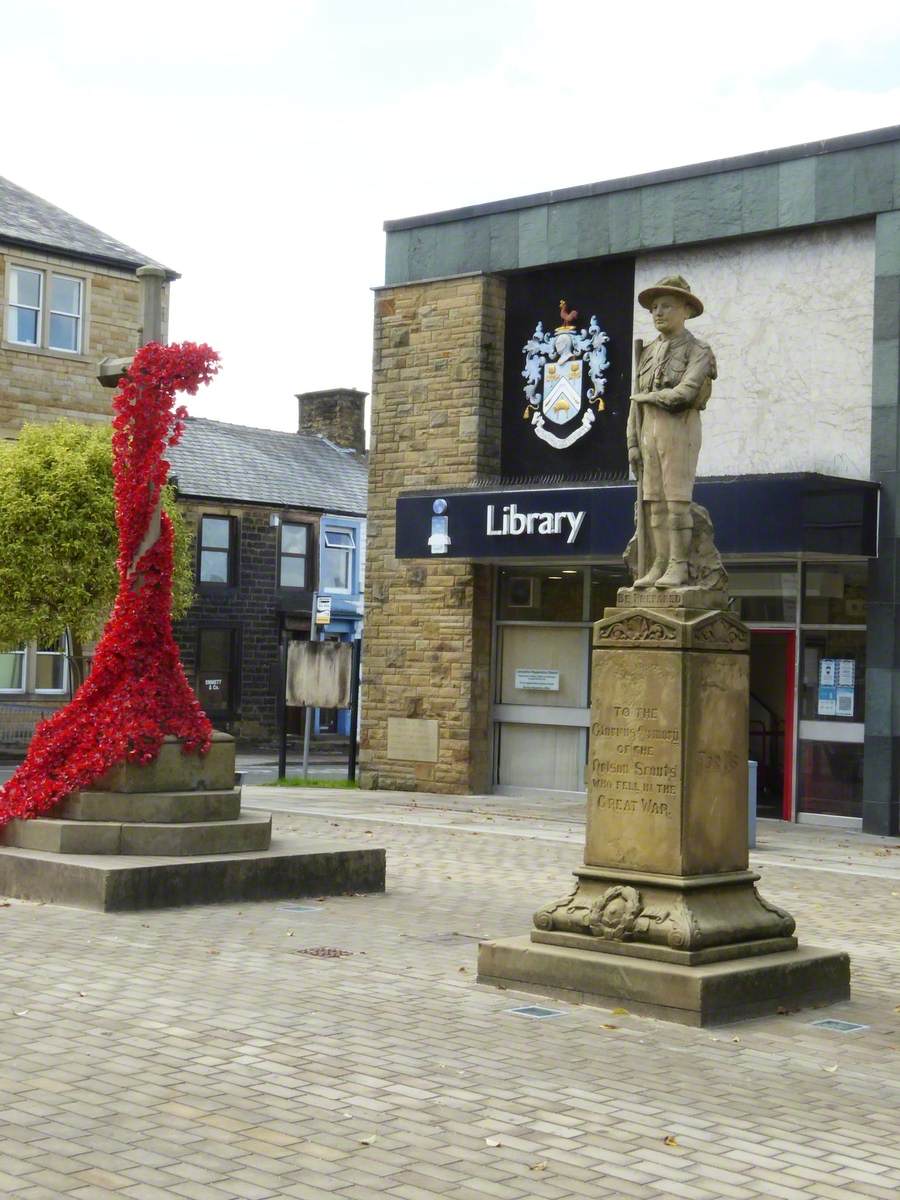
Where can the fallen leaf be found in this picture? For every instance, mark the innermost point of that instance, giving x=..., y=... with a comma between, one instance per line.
x=831, y=1070
x=668, y=1140
x=290, y=933
x=897, y=1009
x=539, y=1166
x=21, y=1012
x=495, y=1141
x=367, y=1141
x=213, y=952
x=782, y=1012
x=609, y=1026
x=620, y=1012
x=735, y=1039
x=7, y=903
x=463, y=968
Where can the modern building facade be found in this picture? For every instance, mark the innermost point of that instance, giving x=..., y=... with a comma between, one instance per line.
x=500, y=504
x=70, y=297
x=277, y=517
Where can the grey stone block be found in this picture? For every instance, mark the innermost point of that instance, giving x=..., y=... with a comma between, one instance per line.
x=504, y=241
x=885, y=373
x=396, y=265
x=593, y=226
x=562, y=231
x=834, y=186
x=533, y=236
x=251, y=831
x=290, y=869
x=725, y=204
x=172, y=770
x=797, y=192
x=691, y=209
x=711, y=994
x=624, y=221
x=759, y=199
x=873, y=178
x=886, y=308
x=151, y=806
x=887, y=244
x=657, y=215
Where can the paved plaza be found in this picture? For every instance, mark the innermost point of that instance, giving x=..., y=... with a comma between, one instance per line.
x=202, y=1053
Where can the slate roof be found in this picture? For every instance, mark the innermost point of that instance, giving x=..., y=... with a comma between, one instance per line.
x=27, y=220
x=218, y=461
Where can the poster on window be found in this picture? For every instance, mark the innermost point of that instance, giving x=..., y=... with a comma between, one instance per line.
x=844, y=701
x=827, y=672
x=846, y=672
x=827, y=705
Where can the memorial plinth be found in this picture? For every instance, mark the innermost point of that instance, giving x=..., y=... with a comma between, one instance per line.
x=172, y=833
x=664, y=914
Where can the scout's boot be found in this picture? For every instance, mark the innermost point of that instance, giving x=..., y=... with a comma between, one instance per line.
x=659, y=538
x=676, y=573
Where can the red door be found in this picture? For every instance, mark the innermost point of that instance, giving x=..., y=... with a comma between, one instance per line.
x=772, y=696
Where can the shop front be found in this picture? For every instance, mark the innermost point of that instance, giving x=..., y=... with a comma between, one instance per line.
x=804, y=601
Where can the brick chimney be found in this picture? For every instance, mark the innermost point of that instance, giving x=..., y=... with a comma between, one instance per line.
x=336, y=413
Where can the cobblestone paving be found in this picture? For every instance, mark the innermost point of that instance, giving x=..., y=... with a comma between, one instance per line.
x=195, y=1053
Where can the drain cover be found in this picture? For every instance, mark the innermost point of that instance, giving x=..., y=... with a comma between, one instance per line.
x=839, y=1026
x=326, y=952
x=300, y=908
x=535, y=1012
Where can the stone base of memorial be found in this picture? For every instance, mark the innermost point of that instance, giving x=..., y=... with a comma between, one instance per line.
x=172, y=833
x=664, y=914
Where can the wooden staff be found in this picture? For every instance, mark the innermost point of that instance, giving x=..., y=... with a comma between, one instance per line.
x=639, y=472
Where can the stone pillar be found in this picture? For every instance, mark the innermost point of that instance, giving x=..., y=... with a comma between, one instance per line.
x=436, y=404
x=664, y=914
x=881, y=770
x=153, y=280
x=337, y=414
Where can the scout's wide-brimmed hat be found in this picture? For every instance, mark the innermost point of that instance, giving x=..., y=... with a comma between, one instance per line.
x=671, y=285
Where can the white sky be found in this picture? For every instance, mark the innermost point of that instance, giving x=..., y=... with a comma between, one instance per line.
x=257, y=148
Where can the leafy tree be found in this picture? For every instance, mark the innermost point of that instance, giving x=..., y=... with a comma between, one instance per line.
x=58, y=536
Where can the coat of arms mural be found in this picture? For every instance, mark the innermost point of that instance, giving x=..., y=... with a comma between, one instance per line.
x=565, y=378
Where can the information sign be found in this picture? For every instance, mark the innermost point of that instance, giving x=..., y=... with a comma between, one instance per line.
x=533, y=680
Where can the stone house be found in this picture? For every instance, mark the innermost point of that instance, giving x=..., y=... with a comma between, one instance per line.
x=277, y=518
x=70, y=297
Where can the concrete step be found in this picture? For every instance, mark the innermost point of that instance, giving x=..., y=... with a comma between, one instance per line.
x=251, y=831
x=159, y=807
x=290, y=868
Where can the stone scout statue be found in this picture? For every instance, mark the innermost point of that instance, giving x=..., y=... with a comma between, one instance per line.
x=674, y=377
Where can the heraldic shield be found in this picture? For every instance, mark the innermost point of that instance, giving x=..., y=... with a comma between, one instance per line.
x=558, y=366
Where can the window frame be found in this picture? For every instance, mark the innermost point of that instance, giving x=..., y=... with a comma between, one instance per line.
x=46, y=272
x=350, y=552
x=308, y=557
x=19, y=691
x=231, y=550
x=60, y=653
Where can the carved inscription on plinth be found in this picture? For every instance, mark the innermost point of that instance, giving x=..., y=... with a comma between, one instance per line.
x=635, y=778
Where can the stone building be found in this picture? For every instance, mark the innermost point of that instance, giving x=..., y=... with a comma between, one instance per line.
x=277, y=517
x=496, y=525
x=70, y=297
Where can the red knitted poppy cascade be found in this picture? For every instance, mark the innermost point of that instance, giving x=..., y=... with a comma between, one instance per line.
x=137, y=691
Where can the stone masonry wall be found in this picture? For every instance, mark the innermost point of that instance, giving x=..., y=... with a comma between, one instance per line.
x=337, y=414
x=435, y=422
x=251, y=607
x=45, y=385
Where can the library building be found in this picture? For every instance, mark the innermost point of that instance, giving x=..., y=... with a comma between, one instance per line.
x=500, y=498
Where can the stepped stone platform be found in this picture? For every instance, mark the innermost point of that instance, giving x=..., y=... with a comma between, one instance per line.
x=172, y=833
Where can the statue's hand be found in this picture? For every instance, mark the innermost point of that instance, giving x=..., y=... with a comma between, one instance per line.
x=634, y=459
